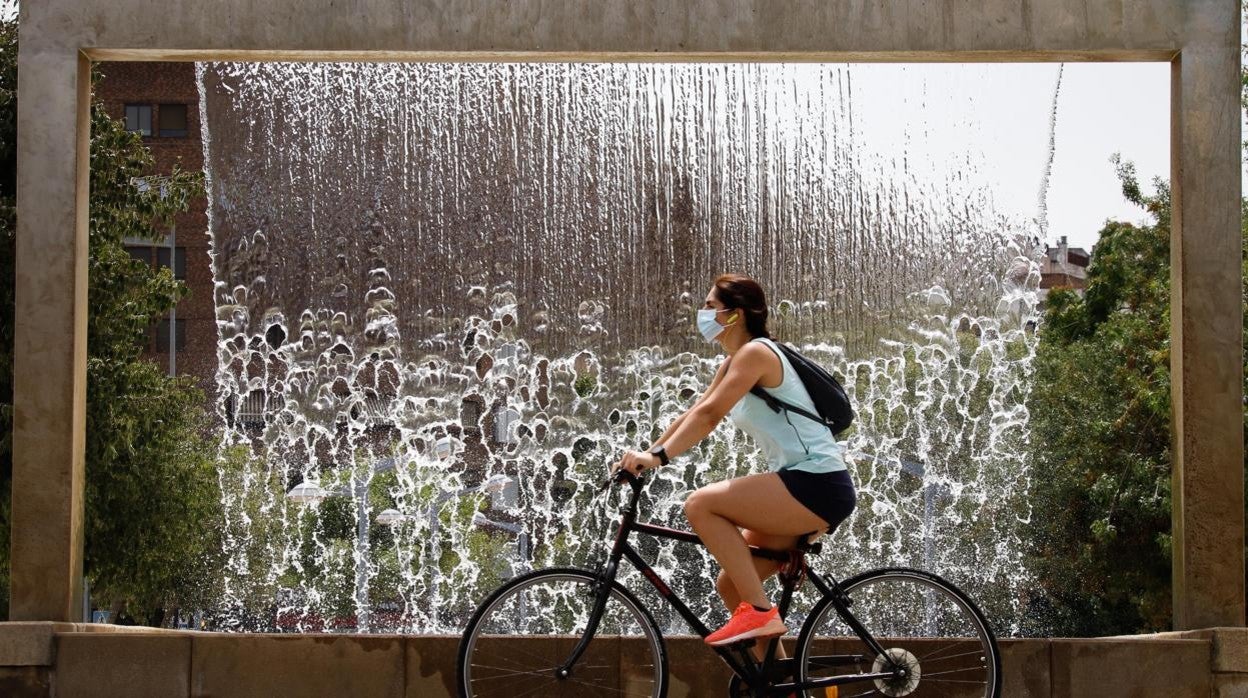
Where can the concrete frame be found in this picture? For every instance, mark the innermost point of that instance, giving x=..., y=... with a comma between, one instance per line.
x=60, y=39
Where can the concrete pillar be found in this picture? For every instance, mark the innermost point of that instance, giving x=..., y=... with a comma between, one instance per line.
x=1206, y=322
x=50, y=348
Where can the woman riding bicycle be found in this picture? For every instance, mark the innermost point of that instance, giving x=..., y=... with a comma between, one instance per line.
x=808, y=489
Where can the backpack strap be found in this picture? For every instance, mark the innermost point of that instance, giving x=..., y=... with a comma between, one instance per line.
x=775, y=403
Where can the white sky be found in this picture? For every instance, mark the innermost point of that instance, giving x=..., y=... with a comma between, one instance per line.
x=1104, y=109
x=998, y=115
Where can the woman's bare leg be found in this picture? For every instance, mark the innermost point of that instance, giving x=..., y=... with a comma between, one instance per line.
x=759, y=503
x=765, y=569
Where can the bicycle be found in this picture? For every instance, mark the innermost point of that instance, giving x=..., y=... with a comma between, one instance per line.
x=911, y=633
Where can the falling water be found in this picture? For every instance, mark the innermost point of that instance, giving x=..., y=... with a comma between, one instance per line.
x=449, y=295
x=1042, y=201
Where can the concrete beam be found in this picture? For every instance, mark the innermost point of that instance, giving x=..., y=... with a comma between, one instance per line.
x=997, y=30
x=1206, y=331
x=1138, y=56
x=50, y=346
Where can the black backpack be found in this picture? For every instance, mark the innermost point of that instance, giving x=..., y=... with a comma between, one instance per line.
x=825, y=391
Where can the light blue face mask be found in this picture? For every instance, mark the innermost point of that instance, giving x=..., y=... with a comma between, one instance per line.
x=707, y=325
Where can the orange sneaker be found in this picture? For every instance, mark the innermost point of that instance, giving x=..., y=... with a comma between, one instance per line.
x=748, y=622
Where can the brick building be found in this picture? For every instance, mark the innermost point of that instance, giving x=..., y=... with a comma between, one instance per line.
x=1064, y=267
x=161, y=101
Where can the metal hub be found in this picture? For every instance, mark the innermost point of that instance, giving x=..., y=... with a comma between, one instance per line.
x=906, y=667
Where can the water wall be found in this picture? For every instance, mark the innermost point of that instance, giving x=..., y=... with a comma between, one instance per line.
x=449, y=295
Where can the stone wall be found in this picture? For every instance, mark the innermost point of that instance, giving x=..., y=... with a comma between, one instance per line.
x=64, y=659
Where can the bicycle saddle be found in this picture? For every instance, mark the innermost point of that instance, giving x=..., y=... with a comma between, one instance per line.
x=807, y=545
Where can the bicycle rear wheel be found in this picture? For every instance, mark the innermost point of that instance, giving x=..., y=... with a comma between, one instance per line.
x=924, y=624
x=525, y=631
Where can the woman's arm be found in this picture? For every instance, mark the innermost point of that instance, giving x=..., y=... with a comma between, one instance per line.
x=741, y=374
x=671, y=429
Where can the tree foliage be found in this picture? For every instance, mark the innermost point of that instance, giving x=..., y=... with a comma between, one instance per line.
x=152, y=508
x=1101, y=434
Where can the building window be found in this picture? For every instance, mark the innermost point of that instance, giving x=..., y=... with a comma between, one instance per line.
x=139, y=118
x=159, y=255
x=172, y=120
x=179, y=261
x=162, y=336
x=142, y=254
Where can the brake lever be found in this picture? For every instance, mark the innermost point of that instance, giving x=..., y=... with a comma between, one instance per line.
x=614, y=478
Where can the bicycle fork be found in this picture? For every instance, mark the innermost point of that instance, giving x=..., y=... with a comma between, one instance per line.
x=602, y=588
x=602, y=591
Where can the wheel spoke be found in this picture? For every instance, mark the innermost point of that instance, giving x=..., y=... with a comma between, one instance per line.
x=535, y=658
x=920, y=621
x=929, y=676
x=539, y=687
x=946, y=648
x=507, y=690
x=507, y=673
x=608, y=688
x=521, y=651
x=933, y=658
x=534, y=623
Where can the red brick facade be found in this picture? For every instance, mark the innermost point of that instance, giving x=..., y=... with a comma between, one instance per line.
x=1064, y=267
x=154, y=85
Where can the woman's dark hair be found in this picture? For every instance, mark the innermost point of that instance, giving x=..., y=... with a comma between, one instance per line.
x=740, y=292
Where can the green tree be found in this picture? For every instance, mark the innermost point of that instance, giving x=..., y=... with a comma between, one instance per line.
x=1100, y=423
x=152, y=507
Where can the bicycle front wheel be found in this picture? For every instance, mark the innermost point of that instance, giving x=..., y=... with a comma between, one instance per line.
x=934, y=639
x=525, y=632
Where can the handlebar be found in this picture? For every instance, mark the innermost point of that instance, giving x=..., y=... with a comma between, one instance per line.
x=620, y=476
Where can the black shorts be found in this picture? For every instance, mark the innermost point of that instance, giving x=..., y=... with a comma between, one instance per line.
x=830, y=496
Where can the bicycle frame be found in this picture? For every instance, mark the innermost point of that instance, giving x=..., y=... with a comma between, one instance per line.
x=745, y=666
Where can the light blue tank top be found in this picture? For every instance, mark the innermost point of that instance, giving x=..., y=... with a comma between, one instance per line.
x=788, y=440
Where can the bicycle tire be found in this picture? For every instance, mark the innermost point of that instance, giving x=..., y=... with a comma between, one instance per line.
x=510, y=650
x=920, y=620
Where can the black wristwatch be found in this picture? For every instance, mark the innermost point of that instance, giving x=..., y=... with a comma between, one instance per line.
x=661, y=453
